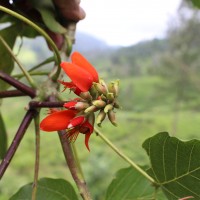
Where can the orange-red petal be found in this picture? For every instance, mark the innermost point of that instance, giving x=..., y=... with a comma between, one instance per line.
x=88, y=133
x=57, y=121
x=79, y=76
x=79, y=60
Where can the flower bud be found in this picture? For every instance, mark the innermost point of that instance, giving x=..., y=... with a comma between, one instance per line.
x=93, y=91
x=100, y=117
x=113, y=87
x=110, y=96
x=92, y=108
x=100, y=88
x=73, y=105
x=111, y=117
x=86, y=96
x=102, y=97
x=116, y=105
x=103, y=83
x=99, y=103
x=108, y=107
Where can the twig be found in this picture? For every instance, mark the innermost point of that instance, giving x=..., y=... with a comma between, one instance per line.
x=11, y=93
x=76, y=174
x=46, y=104
x=30, y=114
x=37, y=156
x=20, y=86
x=128, y=160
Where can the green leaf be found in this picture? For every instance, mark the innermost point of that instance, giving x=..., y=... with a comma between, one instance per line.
x=48, y=13
x=6, y=65
x=48, y=188
x=50, y=21
x=175, y=165
x=129, y=184
x=3, y=138
x=196, y=3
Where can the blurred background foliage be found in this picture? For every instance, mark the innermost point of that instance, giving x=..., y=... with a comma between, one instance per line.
x=160, y=86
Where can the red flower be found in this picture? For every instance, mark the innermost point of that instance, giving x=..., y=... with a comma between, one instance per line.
x=81, y=72
x=67, y=119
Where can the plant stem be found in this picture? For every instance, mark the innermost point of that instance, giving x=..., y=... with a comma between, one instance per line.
x=48, y=60
x=28, y=77
x=20, y=86
x=37, y=104
x=30, y=114
x=37, y=156
x=32, y=74
x=11, y=93
x=37, y=28
x=122, y=155
x=76, y=174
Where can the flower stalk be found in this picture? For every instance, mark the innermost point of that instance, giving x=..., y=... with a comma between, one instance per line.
x=74, y=169
x=37, y=156
x=122, y=155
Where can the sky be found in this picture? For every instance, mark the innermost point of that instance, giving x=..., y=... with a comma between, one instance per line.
x=126, y=22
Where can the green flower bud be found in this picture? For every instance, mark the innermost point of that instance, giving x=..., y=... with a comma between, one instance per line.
x=99, y=103
x=86, y=96
x=108, y=107
x=100, y=88
x=91, y=109
x=116, y=105
x=110, y=96
x=113, y=87
x=100, y=117
x=111, y=117
x=103, y=98
x=94, y=92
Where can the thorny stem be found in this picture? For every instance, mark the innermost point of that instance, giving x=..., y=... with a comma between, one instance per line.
x=76, y=174
x=30, y=114
x=28, y=77
x=20, y=86
x=37, y=28
x=37, y=156
x=11, y=93
x=122, y=155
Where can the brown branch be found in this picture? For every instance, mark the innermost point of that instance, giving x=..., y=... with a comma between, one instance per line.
x=80, y=182
x=46, y=104
x=30, y=114
x=11, y=93
x=20, y=86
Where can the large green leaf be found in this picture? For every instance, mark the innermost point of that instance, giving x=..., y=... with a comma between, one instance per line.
x=175, y=165
x=48, y=188
x=129, y=184
x=9, y=34
x=3, y=138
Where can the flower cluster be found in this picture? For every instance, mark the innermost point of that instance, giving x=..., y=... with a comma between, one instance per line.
x=93, y=95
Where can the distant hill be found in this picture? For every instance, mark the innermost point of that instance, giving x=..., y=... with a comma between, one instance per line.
x=85, y=43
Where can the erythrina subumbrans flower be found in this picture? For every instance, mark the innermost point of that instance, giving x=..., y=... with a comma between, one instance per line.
x=94, y=95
